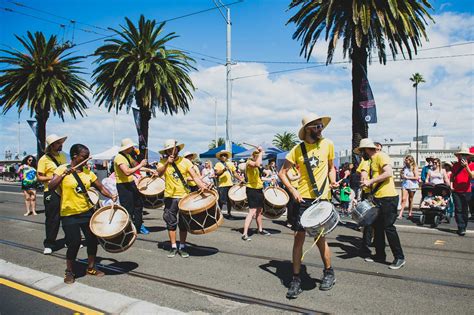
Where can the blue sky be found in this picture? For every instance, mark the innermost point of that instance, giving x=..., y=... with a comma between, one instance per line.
x=259, y=33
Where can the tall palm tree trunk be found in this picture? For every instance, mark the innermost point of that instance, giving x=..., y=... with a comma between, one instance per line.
x=41, y=119
x=145, y=117
x=360, y=128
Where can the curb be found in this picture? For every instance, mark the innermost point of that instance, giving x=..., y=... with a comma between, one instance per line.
x=103, y=300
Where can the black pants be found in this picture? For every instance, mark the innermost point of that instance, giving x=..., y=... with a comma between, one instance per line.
x=73, y=239
x=52, y=205
x=384, y=226
x=461, y=208
x=131, y=200
x=224, y=198
x=291, y=208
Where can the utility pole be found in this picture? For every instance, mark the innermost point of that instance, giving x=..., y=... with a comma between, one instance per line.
x=228, y=63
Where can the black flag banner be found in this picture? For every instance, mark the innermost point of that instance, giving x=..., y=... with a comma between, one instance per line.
x=34, y=127
x=367, y=102
x=136, y=116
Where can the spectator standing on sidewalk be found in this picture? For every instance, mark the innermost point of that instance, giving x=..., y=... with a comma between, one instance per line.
x=463, y=173
x=410, y=178
x=29, y=181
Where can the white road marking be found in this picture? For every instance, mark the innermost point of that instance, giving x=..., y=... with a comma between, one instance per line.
x=18, y=193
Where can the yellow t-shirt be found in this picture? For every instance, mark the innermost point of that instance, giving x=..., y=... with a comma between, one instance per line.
x=387, y=187
x=46, y=166
x=191, y=182
x=364, y=166
x=253, y=177
x=225, y=179
x=319, y=154
x=120, y=177
x=293, y=172
x=174, y=187
x=73, y=202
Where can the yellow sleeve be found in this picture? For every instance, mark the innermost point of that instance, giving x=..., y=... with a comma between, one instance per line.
x=119, y=159
x=362, y=167
x=42, y=165
x=60, y=169
x=330, y=150
x=291, y=156
x=219, y=166
x=91, y=175
x=382, y=160
x=232, y=167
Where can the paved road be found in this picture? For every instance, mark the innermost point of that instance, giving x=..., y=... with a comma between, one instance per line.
x=224, y=273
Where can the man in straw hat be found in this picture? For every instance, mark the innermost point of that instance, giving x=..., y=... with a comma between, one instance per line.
x=382, y=188
x=429, y=165
x=192, y=184
x=124, y=167
x=225, y=171
x=320, y=158
x=47, y=164
x=461, y=176
x=175, y=169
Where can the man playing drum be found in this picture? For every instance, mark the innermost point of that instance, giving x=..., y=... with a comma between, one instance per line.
x=225, y=171
x=320, y=156
x=175, y=169
x=124, y=167
x=192, y=184
x=47, y=164
x=380, y=181
x=254, y=193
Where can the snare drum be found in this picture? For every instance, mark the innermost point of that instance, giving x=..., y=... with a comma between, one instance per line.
x=238, y=196
x=365, y=213
x=152, y=190
x=276, y=199
x=200, y=212
x=321, y=215
x=113, y=228
x=94, y=198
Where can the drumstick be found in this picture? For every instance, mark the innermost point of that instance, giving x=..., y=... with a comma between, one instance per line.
x=252, y=145
x=82, y=163
x=112, y=212
x=153, y=178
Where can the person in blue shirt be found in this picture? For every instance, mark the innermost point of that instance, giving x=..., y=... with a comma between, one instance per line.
x=426, y=168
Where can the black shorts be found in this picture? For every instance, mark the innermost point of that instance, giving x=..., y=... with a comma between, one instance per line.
x=300, y=208
x=171, y=214
x=255, y=198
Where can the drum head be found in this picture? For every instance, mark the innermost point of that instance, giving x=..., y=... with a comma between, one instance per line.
x=151, y=186
x=102, y=225
x=238, y=193
x=276, y=196
x=93, y=196
x=197, y=202
x=316, y=214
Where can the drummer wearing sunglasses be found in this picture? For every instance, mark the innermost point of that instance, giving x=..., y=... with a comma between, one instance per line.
x=320, y=158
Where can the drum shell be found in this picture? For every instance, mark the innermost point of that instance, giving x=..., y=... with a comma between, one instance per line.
x=152, y=198
x=365, y=213
x=329, y=224
x=272, y=210
x=238, y=197
x=201, y=220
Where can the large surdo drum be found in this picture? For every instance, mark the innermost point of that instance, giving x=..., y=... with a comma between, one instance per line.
x=152, y=190
x=200, y=212
x=276, y=199
x=238, y=196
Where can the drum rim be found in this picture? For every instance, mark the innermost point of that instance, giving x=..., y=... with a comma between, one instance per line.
x=134, y=238
x=241, y=186
x=95, y=192
x=307, y=229
x=279, y=189
x=198, y=210
x=313, y=206
x=102, y=209
x=150, y=195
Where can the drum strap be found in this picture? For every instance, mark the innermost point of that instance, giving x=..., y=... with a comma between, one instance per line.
x=183, y=181
x=53, y=159
x=126, y=158
x=82, y=187
x=314, y=185
x=227, y=169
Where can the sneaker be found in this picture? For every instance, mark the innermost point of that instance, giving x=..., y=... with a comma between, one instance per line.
x=183, y=253
x=94, y=272
x=264, y=232
x=375, y=259
x=246, y=238
x=397, y=264
x=173, y=252
x=144, y=230
x=328, y=281
x=47, y=251
x=69, y=277
x=295, y=289
x=461, y=232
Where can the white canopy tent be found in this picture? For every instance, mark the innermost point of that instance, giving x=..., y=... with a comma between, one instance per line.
x=107, y=154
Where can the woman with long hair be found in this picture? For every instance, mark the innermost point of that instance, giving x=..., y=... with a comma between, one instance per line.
x=29, y=182
x=437, y=175
x=409, y=177
x=207, y=174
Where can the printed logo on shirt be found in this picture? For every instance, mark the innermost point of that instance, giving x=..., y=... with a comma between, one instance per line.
x=78, y=189
x=314, y=162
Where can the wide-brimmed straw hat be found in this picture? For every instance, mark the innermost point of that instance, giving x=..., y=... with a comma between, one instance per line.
x=187, y=153
x=430, y=158
x=365, y=143
x=171, y=143
x=54, y=138
x=223, y=152
x=464, y=151
x=309, y=119
x=126, y=143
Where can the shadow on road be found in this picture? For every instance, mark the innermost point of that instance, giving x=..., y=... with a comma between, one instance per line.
x=192, y=249
x=284, y=271
x=121, y=267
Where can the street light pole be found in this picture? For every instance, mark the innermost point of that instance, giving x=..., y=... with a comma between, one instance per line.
x=228, y=142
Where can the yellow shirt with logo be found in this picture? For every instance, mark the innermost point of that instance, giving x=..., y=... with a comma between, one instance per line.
x=46, y=166
x=225, y=179
x=253, y=177
x=174, y=187
x=319, y=154
x=374, y=169
x=120, y=176
x=293, y=172
x=191, y=182
x=73, y=202
x=364, y=166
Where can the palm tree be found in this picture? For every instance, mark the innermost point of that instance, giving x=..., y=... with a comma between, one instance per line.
x=138, y=67
x=285, y=141
x=365, y=26
x=416, y=79
x=44, y=79
x=220, y=142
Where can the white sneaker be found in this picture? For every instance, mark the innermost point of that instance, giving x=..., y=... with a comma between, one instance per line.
x=47, y=251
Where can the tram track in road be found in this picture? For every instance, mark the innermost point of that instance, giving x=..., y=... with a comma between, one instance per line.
x=180, y=284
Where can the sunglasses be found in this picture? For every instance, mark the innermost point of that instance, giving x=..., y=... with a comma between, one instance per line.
x=317, y=126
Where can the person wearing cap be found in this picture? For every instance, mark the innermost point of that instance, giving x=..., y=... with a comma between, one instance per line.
x=382, y=188
x=175, y=169
x=124, y=167
x=320, y=155
x=462, y=174
x=192, y=184
x=47, y=164
x=225, y=170
x=424, y=171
